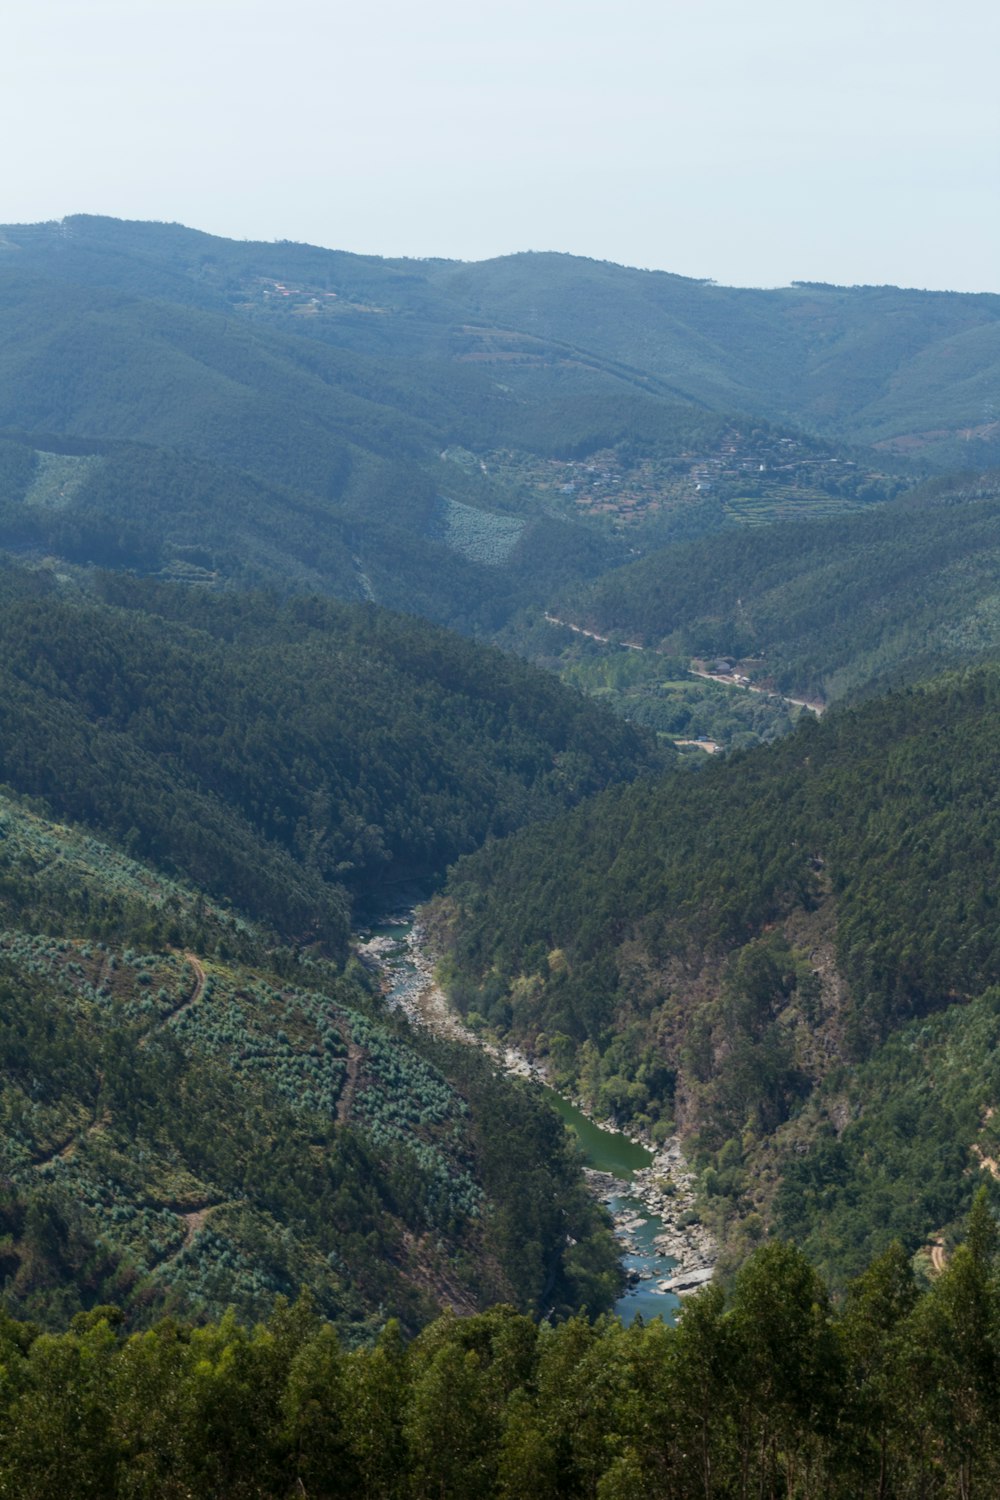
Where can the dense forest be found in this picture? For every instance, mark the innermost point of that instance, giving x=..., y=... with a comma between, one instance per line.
x=891, y=1391
x=791, y=956
x=280, y=755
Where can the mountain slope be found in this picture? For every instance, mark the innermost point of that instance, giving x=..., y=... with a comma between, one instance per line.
x=383, y=429
x=281, y=755
x=868, y=360
x=825, y=610
x=203, y=1102
x=783, y=954
x=341, y=448
x=186, y=1129
x=861, y=360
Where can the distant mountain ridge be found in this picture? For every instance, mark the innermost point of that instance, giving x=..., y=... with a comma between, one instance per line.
x=867, y=361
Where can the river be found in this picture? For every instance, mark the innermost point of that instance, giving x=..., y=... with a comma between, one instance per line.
x=609, y=1151
x=391, y=946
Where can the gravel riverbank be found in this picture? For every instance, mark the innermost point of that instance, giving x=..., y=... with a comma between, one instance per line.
x=665, y=1188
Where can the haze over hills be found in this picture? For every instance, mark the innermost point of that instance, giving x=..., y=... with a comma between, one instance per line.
x=459, y=441
x=909, y=369
x=243, y=489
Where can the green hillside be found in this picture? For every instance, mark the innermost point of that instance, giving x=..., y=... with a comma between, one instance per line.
x=790, y=956
x=283, y=755
x=359, y=402
x=861, y=362
x=287, y=460
x=201, y=1105
x=866, y=362
x=187, y=1128
x=825, y=610
x=203, y=1102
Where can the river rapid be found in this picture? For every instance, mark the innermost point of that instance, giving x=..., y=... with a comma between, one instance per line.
x=646, y=1194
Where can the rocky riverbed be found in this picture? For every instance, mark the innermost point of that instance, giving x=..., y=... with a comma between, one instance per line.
x=665, y=1190
x=661, y=1193
x=421, y=998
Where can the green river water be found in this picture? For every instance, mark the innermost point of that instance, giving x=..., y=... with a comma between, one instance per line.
x=610, y=1151
x=604, y=1150
x=607, y=1150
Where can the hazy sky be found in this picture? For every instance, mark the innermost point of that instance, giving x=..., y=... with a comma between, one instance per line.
x=756, y=144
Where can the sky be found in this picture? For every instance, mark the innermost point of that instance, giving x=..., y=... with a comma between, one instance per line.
x=754, y=144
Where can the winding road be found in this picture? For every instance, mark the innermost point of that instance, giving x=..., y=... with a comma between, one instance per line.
x=727, y=680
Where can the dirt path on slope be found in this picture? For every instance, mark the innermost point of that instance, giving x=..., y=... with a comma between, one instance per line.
x=354, y=1056
x=192, y=998
x=68, y=1148
x=197, y=991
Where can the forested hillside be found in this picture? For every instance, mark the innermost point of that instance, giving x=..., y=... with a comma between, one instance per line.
x=195, y=1120
x=195, y=1112
x=791, y=955
x=891, y=1393
x=864, y=362
x=288, y=462
x=828, y=610
x=306, y=419
x=281, y=756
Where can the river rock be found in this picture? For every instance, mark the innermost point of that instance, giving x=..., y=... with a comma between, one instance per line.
x=688, y=1281
x=665, y=1189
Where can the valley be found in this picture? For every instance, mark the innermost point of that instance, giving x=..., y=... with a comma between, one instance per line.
x=333, y=585
x=649, y=1194
x=632, y=692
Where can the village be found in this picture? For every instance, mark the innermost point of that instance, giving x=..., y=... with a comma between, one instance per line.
x=753, y=476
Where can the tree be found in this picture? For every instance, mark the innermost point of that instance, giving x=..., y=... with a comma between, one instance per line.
x=786, y=1368
x=873, y=1337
